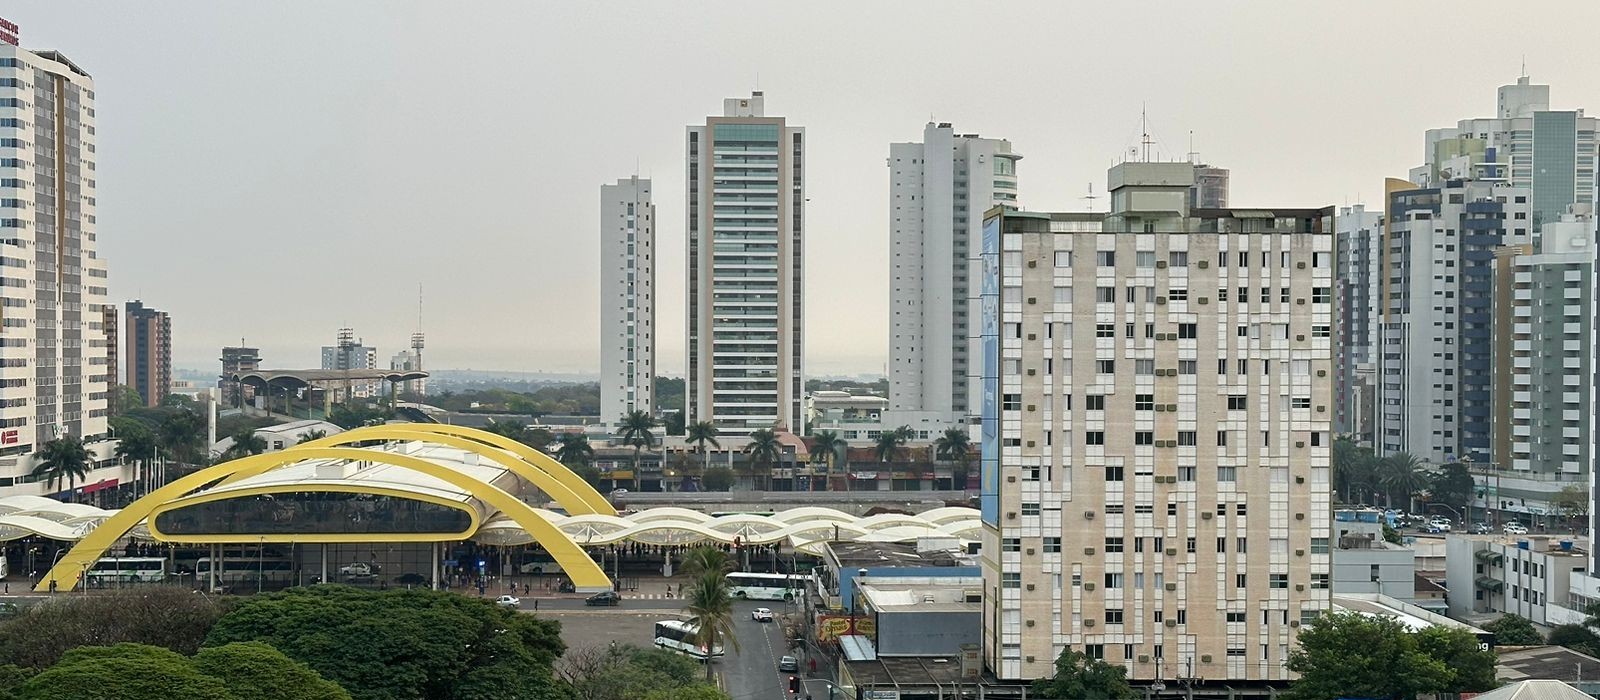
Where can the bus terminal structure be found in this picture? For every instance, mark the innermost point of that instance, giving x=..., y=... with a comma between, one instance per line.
x=404, y=494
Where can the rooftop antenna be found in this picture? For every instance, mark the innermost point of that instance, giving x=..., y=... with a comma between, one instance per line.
x=1524, y=65
x=1192, y=152
x=1091, y=196
x=1144, y=133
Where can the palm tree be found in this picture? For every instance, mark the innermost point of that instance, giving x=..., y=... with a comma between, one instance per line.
x=137, y=445
x=764, y=449
x=831, y=449
x=63, y=459
x=310, y=435
x=1404, y=474
x=245, y=443
x=575, y=449
x=889, y=443
x=702, y=560
x=507, y=428
x=636, y=427
x=181, y=436
x=701, y=433
x=710, y=609
x=952, y=447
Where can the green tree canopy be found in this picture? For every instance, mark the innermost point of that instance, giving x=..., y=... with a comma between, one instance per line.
x=402, y=644
x=1471, y=667
x=625, y=672
x=1513, y=630
x=1577, y=638
x=257, y=671
x=158, y=615
x=717, y=479
x=63, y=460
x=1453, y=486
x=124, y=672
x=1079, y=677
x=1347, y=654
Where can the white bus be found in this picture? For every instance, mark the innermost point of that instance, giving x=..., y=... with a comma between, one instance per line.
x=270, y=570
x=766, y=586
x=679, y=636
x=112, y=570
x=540, y=564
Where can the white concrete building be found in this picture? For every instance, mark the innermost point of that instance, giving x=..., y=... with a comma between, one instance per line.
x=1357, y=284
x=1532, y=576
x=746, y=310
x=627, y=299
x=1156, y=433
x=353, y=353
x=54, y=378
x=409, y=361
x=1435, y=332
x=1526, y=144
x=938, y=192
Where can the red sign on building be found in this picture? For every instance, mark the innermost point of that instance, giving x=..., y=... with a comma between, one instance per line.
x=9, y=31
x=10, y=437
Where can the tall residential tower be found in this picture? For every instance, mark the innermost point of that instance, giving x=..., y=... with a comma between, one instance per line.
x=149, y=356
x=746, y=310
x=938, y=191
x=627, y=299
x=1155, y=433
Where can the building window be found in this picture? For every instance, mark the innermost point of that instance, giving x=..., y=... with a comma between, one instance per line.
x=1113, y=473
x=1276, y=580
x=1144, y=437
x=1113, y=544
x=1094, y=402
x=1095, y=651
x=1010, y=579
x=1190, y=546
x=1236, y=403
x=1144, y=402
x=1319, y=545
x=1186, y=438
x=1144, y=258
x=1094, y=437
x=1113, y=581
x=1321, y=295
x=1319, y=582
x=1063, y=258
x=1187, y=367
x=1113, y=616
x=1186, y=331
x=1105, y=366
x=1105, y=258
x=1052, y=545
x=1105, y=330
x=1177, y=295
x=1144, y=368
x=1300, y=402
x=1239, y=581
x=1011, y=544
x=1178, y=258
x=1030, y=509
x=1235, y=617
x=1186, y=473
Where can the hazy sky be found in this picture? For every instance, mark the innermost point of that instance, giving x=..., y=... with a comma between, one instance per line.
x=275, y=170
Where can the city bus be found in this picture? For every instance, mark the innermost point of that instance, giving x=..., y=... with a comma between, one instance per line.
x=679, y=636
x=111, y=570
x=766, y=586
x=540, y=564
x=273, y=571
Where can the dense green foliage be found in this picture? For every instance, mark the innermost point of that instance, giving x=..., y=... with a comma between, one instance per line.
x=63, y=461
x=551, y=399
x=1513, y=630
x=1348, y=654
x=403, y=644
x=258, y=671
x=717, y=479
x=1452, y=486
x=1079, y=677
x=624, y=672
x=124, y=672
x=160, y=616
x=1577, y=638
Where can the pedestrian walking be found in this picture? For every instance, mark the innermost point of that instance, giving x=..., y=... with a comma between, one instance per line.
x=535, y=603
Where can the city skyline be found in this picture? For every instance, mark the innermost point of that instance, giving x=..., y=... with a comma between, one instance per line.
x=235, y=101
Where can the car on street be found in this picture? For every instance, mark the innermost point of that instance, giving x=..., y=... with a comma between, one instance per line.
x=1439, y=524
x=618, y=493
x=761, y=614
x=603, y=598
x=357, y=570
x=1481, y=529
x=1514, y=529
x=788, y=663
x=508, y=601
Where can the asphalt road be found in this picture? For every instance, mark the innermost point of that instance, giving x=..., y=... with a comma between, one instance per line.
x=752, y=673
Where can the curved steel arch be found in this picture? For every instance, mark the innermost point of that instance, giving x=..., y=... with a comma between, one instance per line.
x=558, y=491
x=585, y=574
x=557, y=470
x=474, y=518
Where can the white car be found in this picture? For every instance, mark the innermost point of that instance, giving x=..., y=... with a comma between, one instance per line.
x=1514, y=529
x=761, y=615
x=356, y=569
x=1440, y=524
x=508, y=601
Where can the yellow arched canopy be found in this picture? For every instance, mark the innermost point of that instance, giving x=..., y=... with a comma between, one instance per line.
x=585, y=574
x=597, y=503
x=559, y=490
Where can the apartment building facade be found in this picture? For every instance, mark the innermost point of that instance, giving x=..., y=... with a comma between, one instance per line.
x=627, y=299
x=1156, y=433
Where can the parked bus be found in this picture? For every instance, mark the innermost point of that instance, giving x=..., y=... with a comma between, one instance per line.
x=766, y=586
x=112, y=570
x=540, y=564
x=273, y=571
x=679, y=636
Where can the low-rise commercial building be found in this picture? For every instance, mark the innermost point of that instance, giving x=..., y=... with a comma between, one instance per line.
x=1364, y=562
x=923, y=615
x=1531, y=576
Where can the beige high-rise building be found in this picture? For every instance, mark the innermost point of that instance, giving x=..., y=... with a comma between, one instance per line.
x=1156, y=433
x=746, y=250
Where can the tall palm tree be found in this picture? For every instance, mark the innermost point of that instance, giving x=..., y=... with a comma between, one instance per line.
x=952, y=447
x=137, y=445
x=636, y=430
x=182, y=436
x=830, y=449
x=574, y=450
x=245, y=443
x=310, y=435
x=889, y=443
x=710, y=609
x=63, y=459
x=764, y=449
x=702, y=560
x=701, y=433
x=1404, y=474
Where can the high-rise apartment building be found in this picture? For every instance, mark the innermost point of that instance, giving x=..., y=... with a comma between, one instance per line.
x=53, y=378
x=149, y=352
x=627, y=299
x=110, y=319
x=746, y=310
x=353, y=353
x=938, y=192
x=1543, y=363
x=237, y=359
x=1155, y=433
x=1435, y=335
x=1526, y=144
x=1358, y=236
x=1210, y=189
